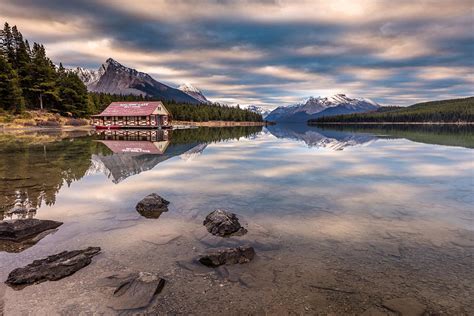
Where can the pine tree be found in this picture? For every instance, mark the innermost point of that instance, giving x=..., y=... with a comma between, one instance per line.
x=10, y=92
x=43, y=85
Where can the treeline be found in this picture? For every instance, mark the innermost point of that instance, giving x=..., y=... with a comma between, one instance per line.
x=184, y=111
x=449, y=111
x=210, y=112
x=30, y=80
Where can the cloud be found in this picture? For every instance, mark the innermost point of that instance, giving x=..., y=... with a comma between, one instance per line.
x=267, y=52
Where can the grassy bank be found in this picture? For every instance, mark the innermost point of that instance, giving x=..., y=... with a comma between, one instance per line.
x=39, y=119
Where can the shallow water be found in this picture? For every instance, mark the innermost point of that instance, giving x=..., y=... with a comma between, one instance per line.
x=342, y=218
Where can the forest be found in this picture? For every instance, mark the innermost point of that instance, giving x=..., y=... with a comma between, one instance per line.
x=448, y=111
x=29, y=80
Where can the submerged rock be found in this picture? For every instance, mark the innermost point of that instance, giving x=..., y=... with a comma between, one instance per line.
x=52, y=268
x=405, y=306
x=223, y=223
x=152, y=206
x=21, y=229
x=135, y=290
x=19, y=246
x=219, y=257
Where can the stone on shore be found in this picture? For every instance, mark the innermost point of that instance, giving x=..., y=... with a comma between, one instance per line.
x=152, y=206
x=134, y=291
x=217, y=257
x=223, y=223
x=52, y=268
x=20, y=229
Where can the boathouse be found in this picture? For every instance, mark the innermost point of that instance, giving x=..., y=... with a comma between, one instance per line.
x=151, y=114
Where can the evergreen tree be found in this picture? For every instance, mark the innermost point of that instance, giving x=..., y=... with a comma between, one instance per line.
x=43, y=74
x=10, y=91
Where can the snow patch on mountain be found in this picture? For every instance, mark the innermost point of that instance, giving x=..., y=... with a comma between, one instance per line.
x=193, y=92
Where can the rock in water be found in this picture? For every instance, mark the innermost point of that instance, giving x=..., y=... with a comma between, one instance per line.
x=136, y=290
x=21, y=229
x=223, y=223
x=405, y=306
x=52, y=268
x=152, y=206
x=219, y=257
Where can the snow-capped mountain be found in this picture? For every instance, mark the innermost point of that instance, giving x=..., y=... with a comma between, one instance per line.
x=317, y=107
x=259, y=109
x=194, y=92
x=114, y=78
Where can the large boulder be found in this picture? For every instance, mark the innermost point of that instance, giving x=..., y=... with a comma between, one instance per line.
x=135, y=290
x=152, y=206
x=223, y=223
x=217, y=257
x=52, y=268
x=21, y=229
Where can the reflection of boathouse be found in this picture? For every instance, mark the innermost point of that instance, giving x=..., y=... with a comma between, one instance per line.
x=133, y=115
x=134, y=151
x=136, y=141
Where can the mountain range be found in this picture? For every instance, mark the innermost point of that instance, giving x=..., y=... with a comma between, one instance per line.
x=312, y=108
x=259, y=109
x=115, y=78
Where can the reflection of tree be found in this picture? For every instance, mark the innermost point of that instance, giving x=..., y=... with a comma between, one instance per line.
x=32, y=174
x=33, y=170
x=212, y=134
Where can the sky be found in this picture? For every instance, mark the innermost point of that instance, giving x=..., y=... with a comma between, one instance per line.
x=267, y=52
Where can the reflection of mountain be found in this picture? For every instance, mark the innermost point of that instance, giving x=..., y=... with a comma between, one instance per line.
x=34, y=166
x=120, y=166
x=318, y=137
x=133, y=152
x=446, y=135
x=136, y=151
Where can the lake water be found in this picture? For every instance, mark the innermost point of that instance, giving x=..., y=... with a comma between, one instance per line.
x=342, y=218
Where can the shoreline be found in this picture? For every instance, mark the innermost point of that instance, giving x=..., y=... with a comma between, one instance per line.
x=175, y=124
x=390, y=123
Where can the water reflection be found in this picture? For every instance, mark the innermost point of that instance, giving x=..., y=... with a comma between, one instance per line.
x=446, y=135
x=385, y=219
x=319, y=137
x=34, y=166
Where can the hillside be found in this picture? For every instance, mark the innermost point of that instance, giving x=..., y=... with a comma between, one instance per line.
x=454, y=110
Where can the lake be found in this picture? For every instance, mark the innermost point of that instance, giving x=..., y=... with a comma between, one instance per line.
x=343, y=219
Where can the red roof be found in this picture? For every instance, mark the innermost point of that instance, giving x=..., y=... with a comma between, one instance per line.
x=139, y=147
x=131, y=108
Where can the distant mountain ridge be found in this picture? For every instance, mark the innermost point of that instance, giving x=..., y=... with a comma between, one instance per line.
x=259, y=109
x=312, y=108
x=453, y=110
x=193, y=92
x=114, y=78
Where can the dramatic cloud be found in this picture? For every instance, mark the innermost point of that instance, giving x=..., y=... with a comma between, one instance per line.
x=269, y=52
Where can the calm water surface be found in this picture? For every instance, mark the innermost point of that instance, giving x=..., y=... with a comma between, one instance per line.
x=341, y=218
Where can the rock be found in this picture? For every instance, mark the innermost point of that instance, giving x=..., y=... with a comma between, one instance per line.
x=219, y=257
x=223, y=223
x=405, y=306
x=21, y=229
x=16, y=247
x=136, y=290
x=152, y=206
x=52, y=268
